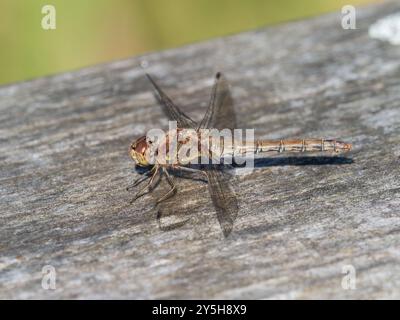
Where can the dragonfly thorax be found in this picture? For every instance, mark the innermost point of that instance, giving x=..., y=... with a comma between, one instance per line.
x=181, y=146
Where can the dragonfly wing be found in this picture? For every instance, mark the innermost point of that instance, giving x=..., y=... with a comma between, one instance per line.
x=173, y=211
x=172, y=111
x=223, y=198
x=220, y=113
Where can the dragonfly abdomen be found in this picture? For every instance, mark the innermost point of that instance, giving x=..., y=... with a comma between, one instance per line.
x=293, y=145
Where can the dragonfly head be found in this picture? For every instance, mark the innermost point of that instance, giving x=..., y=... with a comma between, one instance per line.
x=138, y=150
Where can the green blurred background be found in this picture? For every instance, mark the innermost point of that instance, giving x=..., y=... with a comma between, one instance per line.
x=94, y=31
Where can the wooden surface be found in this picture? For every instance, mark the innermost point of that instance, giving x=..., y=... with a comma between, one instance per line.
x=65, y=166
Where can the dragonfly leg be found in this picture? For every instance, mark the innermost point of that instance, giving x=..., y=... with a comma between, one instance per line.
x=170, y=191
x=141, y=179
x=147, y=188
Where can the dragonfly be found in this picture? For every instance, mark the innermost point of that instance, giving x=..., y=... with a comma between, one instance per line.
x=166, y=176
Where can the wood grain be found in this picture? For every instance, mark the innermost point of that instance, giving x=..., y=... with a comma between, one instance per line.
x=65, y=166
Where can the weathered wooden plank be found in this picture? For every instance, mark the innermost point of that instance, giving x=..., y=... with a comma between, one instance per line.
x=64, y=167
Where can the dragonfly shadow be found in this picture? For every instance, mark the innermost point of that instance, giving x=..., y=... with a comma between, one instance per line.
x=301, y=161
x=167, y=211
x=141, y=170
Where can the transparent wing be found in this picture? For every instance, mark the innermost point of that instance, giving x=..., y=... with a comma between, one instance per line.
x=174, y=211
x=223, y=197
x=220, y=113
x=172, y=111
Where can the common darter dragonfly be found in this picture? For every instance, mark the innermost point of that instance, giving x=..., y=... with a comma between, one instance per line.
x=163, y=176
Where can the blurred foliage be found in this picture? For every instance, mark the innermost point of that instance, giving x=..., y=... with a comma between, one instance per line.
x=94, y=31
